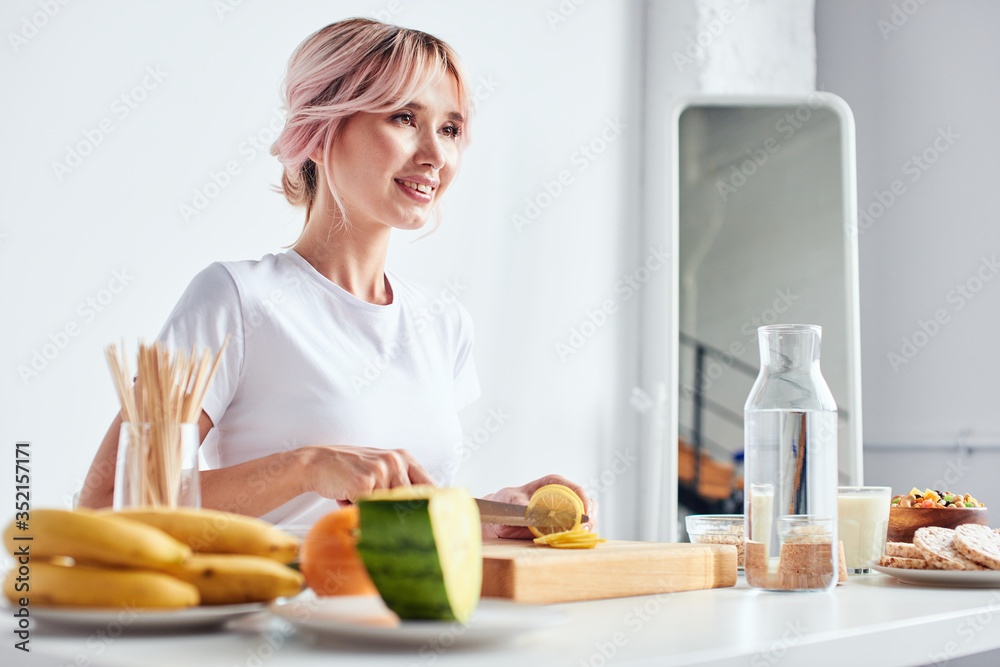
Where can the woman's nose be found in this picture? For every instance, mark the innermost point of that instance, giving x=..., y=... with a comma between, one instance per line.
x=430, y=152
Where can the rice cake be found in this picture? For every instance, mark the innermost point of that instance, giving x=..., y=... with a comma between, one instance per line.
x=903, y=550
x=903, y=563
x=980, y=544
x=938, y=547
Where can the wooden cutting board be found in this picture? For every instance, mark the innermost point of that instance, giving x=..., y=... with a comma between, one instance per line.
x=523, y=571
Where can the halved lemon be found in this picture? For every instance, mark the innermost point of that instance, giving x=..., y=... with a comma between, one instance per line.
x=560, y=505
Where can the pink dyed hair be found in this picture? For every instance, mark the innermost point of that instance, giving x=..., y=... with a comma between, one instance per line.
x=356, y=65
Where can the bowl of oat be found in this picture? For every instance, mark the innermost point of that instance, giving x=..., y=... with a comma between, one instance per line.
x=718, y=529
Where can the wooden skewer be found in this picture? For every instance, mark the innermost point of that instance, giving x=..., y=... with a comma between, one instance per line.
x=192, y=401
x=199, y=393
x=168, y=391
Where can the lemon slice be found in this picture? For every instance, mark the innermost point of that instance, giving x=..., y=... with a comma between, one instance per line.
x=560, y=505
x=576, y=533
x=572, y=539
x=577, y=545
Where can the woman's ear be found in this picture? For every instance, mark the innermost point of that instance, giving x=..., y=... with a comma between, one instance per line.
x=318, y=154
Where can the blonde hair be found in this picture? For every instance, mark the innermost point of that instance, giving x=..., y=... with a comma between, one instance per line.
x=356, y=65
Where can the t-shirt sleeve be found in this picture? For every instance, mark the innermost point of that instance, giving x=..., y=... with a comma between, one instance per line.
x=208, y=310
x=466, y=380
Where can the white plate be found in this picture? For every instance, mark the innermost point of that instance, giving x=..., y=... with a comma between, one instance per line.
x=123, y=620
x=954, y=578
x=366, y=619
x=299, y=530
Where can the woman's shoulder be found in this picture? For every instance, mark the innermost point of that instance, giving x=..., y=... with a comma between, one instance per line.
x=251, y=276
x=271, y=263
x=240, y=286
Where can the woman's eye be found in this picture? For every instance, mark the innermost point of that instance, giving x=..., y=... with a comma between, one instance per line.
x=452, y=131
x=404, y=118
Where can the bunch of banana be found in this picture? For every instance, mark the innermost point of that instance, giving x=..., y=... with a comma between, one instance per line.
x=149, y=559
x=52, y=584
x=236, y=558
x=214, y=532
x=111, y=563
x=235, y=578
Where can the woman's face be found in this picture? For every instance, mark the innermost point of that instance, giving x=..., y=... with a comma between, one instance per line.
x=392, y=168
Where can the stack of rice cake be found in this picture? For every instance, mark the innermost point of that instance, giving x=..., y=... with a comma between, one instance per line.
x=968, y=547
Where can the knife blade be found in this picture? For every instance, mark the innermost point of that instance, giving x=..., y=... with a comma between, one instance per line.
x=509, y=514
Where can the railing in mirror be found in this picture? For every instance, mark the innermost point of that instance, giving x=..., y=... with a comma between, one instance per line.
x=709, y=476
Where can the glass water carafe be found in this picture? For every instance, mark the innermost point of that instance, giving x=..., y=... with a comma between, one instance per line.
x=790, y=439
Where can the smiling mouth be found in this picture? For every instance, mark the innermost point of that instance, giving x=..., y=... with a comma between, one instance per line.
x=419, y=187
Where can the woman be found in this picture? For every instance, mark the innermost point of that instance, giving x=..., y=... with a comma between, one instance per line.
x=294, y=420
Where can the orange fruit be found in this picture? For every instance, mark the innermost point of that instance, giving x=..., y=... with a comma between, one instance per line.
x=328, y=557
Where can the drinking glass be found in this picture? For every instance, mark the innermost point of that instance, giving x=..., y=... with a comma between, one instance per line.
x=863, y=513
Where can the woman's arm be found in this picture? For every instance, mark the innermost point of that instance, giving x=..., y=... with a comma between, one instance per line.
x=99, y=486
x=261, y=485
x=335, y=471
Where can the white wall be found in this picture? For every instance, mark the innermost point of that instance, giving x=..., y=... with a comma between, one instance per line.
x=910, y=78
x=910, y=85
x=550, y=84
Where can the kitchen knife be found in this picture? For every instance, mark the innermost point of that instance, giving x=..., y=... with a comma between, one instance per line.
x=507, y=514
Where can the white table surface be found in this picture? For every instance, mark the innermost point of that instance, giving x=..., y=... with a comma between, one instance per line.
x=871, y=620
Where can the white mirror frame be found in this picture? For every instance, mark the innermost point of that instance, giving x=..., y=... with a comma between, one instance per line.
x=661, y=523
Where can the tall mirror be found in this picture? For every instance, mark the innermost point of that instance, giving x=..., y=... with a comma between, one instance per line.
x=766, y=225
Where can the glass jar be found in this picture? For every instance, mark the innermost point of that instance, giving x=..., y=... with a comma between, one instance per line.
x=790, y=440
x=157, y=466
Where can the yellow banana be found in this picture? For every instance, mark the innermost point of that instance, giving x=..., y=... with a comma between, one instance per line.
x=51, y=585
x=91, y=537
x=235, y=578
x=212, y=531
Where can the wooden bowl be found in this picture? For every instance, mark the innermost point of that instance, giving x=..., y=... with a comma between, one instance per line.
x=904, y=521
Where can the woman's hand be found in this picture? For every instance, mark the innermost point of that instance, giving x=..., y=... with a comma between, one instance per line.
x=520, y=495
x=343, y=473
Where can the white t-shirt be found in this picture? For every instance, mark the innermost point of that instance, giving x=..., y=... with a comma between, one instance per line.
x=308, y=363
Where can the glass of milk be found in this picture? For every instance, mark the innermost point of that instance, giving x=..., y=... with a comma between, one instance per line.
x=863, y=513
